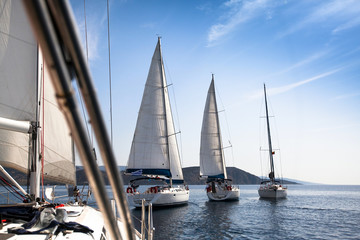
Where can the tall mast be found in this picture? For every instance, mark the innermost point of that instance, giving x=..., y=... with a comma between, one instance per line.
x=34, y=143
x=272, y=171
x=218, y=127
x=164, y=103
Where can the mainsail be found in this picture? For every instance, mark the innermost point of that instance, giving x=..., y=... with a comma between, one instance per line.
x=24, y=80
x=154, y=148
x=18, y=71
x=212, y=162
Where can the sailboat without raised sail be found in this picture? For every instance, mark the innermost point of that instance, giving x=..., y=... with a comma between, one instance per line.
x=271, y=188
x=212, y=160
x=154, y=151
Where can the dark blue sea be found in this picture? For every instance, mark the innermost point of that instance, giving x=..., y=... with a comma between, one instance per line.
x=309, y=212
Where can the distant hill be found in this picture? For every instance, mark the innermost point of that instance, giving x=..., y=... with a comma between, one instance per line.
x=191, y=176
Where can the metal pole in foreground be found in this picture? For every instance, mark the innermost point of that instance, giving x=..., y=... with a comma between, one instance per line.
x=143, y=219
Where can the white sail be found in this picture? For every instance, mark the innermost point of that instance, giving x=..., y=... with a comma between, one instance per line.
x=58, y=146
x=211, y=152
x=20, y=74
x=175, y=165
x=154, y=148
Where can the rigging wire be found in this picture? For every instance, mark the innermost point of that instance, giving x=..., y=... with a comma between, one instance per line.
x=176, y=111
x=43, y=128
x=111, y=124
x=86, y=40
x=260, y=143
x=90, y=136
x=277, y=142
x=9, y=187
x=227, y=126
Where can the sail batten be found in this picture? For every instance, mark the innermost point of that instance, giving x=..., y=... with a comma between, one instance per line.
x=154, y=147
x=212, y=163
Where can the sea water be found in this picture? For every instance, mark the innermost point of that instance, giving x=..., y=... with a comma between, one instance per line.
x=309, y=212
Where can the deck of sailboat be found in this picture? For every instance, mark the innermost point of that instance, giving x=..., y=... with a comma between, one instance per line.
x=83, y=214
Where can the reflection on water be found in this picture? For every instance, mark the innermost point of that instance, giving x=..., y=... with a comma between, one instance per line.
x=218, y=217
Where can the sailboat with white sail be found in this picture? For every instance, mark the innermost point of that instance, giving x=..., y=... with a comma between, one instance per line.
x=212, y=159
x=154, y=153
x=271, y=188
x=36, y=136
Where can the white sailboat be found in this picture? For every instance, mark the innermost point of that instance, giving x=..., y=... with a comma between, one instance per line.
x=36, y=139
x=154, y=151
x=212, y=160
x=272, y=188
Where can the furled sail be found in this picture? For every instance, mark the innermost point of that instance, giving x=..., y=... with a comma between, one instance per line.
x=24, y=80
x=154, y=147
x=212, y=162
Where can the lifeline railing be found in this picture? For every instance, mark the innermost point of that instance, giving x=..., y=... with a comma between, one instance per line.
x=145, y=230
x=150, y=228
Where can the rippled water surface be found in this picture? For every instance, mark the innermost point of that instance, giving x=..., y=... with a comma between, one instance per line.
x=309, y=212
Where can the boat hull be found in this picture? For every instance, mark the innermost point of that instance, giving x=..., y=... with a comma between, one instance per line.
x=165, y=197
x=272, y=193
x=232, y=195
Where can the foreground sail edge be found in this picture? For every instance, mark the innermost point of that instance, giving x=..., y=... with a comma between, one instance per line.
x=75, y=212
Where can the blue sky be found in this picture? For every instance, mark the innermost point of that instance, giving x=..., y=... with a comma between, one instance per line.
x=307, y=53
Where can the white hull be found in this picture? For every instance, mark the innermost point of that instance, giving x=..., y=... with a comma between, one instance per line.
x=164, y=197
x=272, y=192
x=221, y=192
x=231, y=195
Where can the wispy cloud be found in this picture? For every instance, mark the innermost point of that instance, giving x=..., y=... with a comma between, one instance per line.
x=336, y=127
x=350, y=95
x=206, y=7
x=96, y=24
x=340, y=13
x=148, y=25
x=303, y=62
x=283, y=89
x=350, y=24
x=239, y=12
